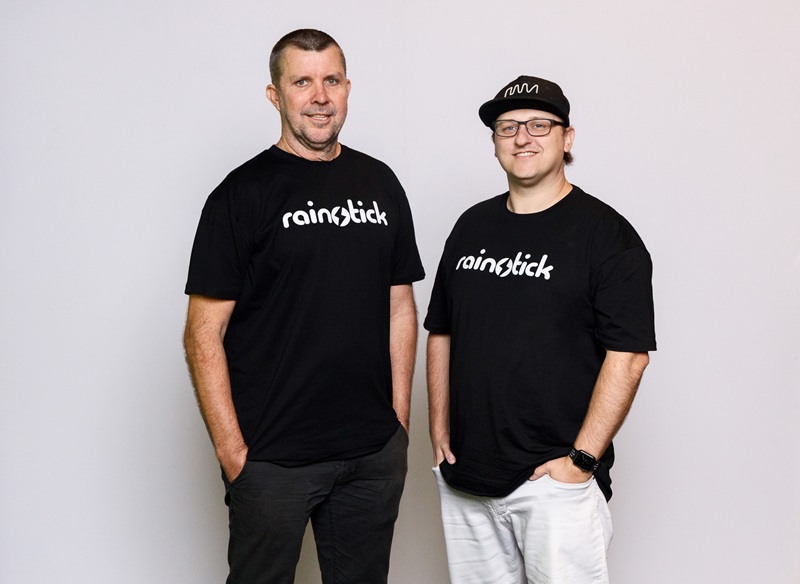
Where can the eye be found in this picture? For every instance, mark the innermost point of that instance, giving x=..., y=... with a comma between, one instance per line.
x=332, y=81
x=302, y=82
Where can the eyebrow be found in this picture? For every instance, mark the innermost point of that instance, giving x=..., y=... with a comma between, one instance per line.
x=296, y=78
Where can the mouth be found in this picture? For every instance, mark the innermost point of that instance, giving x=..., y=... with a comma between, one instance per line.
x=320, y=117
x=524, y=154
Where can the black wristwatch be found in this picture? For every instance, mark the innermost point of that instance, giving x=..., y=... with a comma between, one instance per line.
x=583, y=460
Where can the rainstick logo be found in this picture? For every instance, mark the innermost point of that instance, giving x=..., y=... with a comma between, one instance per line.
x=503, y=267
x=341, y=216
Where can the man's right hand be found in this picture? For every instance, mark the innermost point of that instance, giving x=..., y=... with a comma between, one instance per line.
x=233, y=463
x=441, y=451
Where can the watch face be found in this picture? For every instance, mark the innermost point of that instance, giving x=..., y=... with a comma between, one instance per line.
x=583, y=460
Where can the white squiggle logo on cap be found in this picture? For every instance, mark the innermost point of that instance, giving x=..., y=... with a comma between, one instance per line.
x=521, y=88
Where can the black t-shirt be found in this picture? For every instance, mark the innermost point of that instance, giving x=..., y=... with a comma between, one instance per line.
x=532, y=302
x=309, y=251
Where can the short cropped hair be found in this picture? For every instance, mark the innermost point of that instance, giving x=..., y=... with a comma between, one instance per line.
x=306, y=39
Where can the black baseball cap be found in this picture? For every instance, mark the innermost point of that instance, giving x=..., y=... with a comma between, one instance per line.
x=526, y=92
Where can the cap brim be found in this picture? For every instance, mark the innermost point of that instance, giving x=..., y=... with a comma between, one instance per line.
x=493, y=109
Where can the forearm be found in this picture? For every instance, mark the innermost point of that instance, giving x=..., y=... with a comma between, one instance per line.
x=208, y=367
x=611, y=401
x=438, y=373
x=612, y=397
x=402, y=349
x=209, y=371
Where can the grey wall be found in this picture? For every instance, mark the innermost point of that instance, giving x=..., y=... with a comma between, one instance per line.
x=118, y=118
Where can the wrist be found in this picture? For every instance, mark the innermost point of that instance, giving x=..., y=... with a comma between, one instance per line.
x=439, y=431
x=230, y=451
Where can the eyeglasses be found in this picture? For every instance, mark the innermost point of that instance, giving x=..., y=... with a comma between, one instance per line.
x=536, y=127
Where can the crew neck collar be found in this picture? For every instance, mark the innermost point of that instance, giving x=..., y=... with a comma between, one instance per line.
x=290, y=157
x=561, y=203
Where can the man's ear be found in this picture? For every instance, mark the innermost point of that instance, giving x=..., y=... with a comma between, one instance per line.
x=569, y=138
x=272, y=96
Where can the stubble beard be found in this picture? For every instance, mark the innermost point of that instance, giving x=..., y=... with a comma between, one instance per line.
x=312, y=138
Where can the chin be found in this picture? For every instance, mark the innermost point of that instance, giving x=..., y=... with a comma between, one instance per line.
x=319, y=138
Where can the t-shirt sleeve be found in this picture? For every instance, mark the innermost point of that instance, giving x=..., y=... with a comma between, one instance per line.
x=220, y=253
x=622, y=293
x=406, y=265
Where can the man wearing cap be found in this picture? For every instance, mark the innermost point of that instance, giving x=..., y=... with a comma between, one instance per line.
x=301, y=334
x=540, y=320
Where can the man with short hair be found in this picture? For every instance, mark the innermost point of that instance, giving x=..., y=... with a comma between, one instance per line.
x=540, y=319
x=301, y=334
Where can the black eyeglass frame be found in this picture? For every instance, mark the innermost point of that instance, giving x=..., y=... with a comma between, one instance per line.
x=527, y=129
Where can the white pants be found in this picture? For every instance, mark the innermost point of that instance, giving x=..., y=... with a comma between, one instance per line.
x=545, y=532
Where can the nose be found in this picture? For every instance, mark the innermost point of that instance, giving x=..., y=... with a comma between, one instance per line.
x=523, y=136
x=320, y=94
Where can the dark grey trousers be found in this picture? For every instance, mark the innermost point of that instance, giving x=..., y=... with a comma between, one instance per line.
x=352, y=505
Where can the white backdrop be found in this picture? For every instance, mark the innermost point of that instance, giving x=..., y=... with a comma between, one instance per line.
x=118, y=118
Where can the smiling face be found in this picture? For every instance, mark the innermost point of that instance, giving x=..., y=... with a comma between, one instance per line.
x=311, y=96
x=530, y=160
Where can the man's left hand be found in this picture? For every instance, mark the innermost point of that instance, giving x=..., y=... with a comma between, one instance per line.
x=562, y=470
